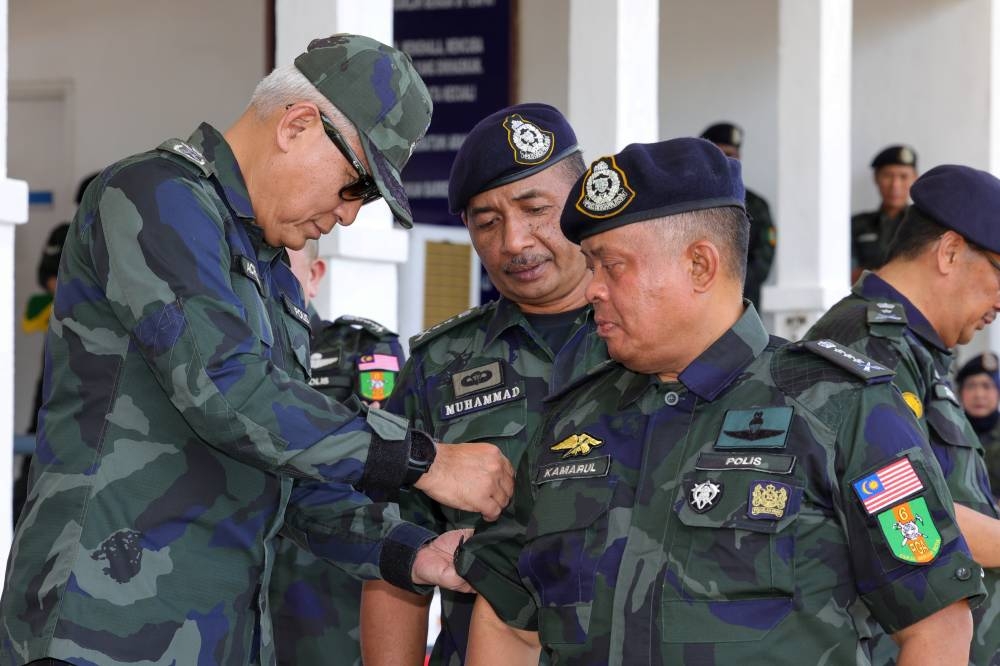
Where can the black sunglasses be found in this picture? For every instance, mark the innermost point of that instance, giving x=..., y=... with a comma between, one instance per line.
x=364, y=189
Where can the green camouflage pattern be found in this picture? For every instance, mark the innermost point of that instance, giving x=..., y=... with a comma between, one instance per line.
x=667, y=543
x=871, y=234
x=760, y=252
x=176, y=415
x=991, y=449
x=316, y=607
x=495, y=345
x=880, y=322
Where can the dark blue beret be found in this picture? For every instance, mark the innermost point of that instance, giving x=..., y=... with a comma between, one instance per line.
x=963, y=199
x=651, y=180
x=724, y=133
x=985, y=364
x=505, y=147
x=900, y=155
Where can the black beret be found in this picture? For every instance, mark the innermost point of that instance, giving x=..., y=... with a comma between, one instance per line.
x=963, y=199
x=900, y=155
x=651, y=180
x=724, y=133
x=48, y=265
x=983, y=364
x=505, y=147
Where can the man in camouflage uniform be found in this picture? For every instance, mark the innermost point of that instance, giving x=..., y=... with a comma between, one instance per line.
x=763, y=235
x=895, y=169
x=940, y=284
x=713, y=496
x=482, y=375
x=176, y=411
x=315, y=606
x=979, y=390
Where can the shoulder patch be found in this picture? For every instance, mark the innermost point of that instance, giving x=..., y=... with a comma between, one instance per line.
x=886, y=312
x=451, y=322
x=853, y=361
x=188, y=152
x=373, y=327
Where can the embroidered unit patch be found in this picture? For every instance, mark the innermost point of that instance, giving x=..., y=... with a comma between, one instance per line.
x=764, y=428
x=910, y=532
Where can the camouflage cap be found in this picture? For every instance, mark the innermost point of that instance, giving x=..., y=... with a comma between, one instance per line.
x=380, y=92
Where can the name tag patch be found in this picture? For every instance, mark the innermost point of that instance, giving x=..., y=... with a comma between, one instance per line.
x=477, y=379
x=773, y=463
x=764, y=428
x=296, y=311
x=248, y=267
x=582, y=469
x=481, y=401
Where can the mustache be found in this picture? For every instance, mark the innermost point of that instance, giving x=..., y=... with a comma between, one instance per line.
x=525, y=260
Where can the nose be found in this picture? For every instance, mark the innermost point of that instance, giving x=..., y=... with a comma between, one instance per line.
x=348, y=211
x=518, y=235
x=596, y=289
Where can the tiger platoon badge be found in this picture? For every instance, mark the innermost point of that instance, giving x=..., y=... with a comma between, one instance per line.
x=910, y=532
x=605, y=191
x=705, y=495
x=768, y=500
x=530, y=143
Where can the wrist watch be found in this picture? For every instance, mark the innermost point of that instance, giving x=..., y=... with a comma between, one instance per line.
x=422, y=453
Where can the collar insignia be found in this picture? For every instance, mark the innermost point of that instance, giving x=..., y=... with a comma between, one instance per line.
x=705, y=495
x=577, y=445
x=530, y=143
x=605, y=191
x=190, y=152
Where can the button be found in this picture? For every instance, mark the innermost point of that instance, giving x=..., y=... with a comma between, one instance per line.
x=671, y=398
x=963, y=573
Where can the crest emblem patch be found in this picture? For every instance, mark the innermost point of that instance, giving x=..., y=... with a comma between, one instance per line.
x=530, y=143
x=703, y=496
x=768, y=500
x=605, y=191
x=910, y=532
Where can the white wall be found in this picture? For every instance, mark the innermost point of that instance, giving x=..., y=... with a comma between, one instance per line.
x=136, y=73
x=921, y=76
x=719, y=61
x=542, y=52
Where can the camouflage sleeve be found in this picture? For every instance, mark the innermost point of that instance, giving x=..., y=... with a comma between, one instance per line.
x=488, y=561
x=909, y=558
x=160, y=252
x=366, y=540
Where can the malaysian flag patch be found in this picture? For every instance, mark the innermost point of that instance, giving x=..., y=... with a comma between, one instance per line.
x=888, y=485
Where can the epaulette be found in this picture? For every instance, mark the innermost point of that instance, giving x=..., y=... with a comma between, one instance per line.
x=886, y=312
x=448, y=324
x=586, y=377
x=851, y=360
x=373, y=327
x=188, y=152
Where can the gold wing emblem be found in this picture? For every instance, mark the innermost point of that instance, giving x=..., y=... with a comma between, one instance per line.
x=577, y=445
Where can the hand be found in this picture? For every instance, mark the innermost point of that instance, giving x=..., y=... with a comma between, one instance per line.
x=471, y=477
x=435, y=562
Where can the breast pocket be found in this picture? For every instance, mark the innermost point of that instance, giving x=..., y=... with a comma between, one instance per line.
x=499, y=423
x=732, y=557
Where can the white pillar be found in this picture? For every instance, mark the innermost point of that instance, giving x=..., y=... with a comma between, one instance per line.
x=613, y=73
x=13, y=211
x=362, y=260
x=993, y=331
x=814, y=105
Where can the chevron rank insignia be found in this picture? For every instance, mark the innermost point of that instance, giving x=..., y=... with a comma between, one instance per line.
x=577, y=445
x=853, y=361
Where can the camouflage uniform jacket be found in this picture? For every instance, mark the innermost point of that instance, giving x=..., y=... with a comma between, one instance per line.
x=871, y=234
x=316, y=607
x=715, y=520
x=990, y=439
x=175, y=416
x=760, y=253
x=880, y=322
x=481, y=377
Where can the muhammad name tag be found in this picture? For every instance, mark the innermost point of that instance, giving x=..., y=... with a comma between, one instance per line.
x=774, y=463
x=477, y=379
x=764, y=428
x=910, y=532
x=582, y=469
x=481, y=401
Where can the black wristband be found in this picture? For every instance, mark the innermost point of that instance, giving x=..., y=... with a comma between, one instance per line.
x=422, y=453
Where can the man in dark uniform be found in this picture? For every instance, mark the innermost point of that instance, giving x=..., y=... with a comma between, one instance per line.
x=763, y=235
x=979, y=390
x=895, y=170
x=939, y=285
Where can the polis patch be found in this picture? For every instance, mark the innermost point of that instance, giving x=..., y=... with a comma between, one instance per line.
x=764, y=428
x=582, y=469
x=605, y=191
x=296, y=311
x=248, y=267
x=773, y=463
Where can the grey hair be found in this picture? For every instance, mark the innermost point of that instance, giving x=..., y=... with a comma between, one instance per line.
x=287, y=85
x=727, y=227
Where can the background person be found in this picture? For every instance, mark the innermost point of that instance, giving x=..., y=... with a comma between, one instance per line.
x=978, y=382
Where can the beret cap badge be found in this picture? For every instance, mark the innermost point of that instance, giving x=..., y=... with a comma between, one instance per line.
x=530, y=143
x=605, y=190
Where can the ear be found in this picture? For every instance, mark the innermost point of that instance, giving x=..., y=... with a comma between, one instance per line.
x=705, y=264
x=950, y=247
x=293, y=124
x=316, y=272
